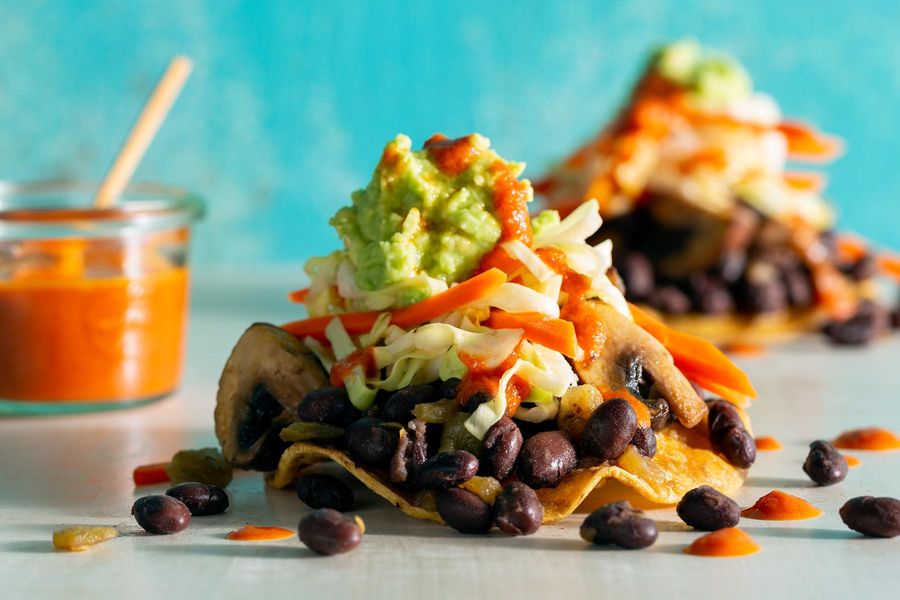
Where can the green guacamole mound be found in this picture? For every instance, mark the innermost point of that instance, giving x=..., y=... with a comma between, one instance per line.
x=414, y=219
x=714, y=79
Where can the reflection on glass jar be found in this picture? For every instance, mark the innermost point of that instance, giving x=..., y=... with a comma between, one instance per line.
x=93, y=303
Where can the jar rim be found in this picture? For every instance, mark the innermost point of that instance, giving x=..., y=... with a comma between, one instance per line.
x=63, y=209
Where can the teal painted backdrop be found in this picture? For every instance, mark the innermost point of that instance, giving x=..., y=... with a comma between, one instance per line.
x=291, y=102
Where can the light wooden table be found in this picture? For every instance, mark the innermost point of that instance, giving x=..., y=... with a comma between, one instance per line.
x=68, y=470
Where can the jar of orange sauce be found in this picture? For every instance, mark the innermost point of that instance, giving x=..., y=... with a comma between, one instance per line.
x=93, y=302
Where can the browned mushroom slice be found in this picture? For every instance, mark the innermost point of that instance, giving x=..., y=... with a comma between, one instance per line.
x=624, y=342
x=268, y=373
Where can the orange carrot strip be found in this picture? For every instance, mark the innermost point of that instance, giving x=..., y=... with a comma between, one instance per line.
x=498, y=258
x=850, y=247
x=890, y=265
x=806, y=143
x=298, y=296
x=812, y=181
x=151, y=474
x=719, y=390
x=556, y=334
x=358, y=323
x=696, y=357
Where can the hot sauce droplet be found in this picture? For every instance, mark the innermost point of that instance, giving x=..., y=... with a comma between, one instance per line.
x=779, y=506
x=870, y=438
x=730, y=541
x=852, y=461
x=253, y=533
x=452, y=157
x=767, y=444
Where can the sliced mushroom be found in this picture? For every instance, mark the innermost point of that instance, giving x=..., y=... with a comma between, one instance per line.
x=268, y=373
x=625, y=342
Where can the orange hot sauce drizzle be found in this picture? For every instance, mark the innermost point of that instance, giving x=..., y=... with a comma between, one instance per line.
x=779, y=506
x=730, y=541
x=254, y=533
x=767, y=444
x=342, y=369
x=479, y=378
x=871, y=438
x=452, y=157
x=852, y=461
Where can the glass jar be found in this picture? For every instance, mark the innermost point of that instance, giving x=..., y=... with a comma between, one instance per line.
x=93, y=302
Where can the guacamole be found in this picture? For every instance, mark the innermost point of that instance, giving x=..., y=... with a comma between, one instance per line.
x=425, y=212
x=713, y=79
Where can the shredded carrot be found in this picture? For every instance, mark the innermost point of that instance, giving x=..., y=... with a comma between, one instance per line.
x=850, y=247
x=890, y=265
x=556, y=334
x=151, y=474
x=812, y=181
x=498, y=258
x=358, y=323
x=298, y=296
x=699, y=360
x=806, y=143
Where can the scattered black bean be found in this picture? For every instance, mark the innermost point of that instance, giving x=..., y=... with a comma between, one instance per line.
x=447, y=389
x=864, y=268
x=328, y=405
x=324, y=491
x=464, y=511
x=161, y=514
x=670, y=300
x=411, y=452
x=517, y=510
x=399, y=405
x=729, y=436
x=501, y=446
x=636, y=271
x=799, y=287
x=545, y=459
x=869, y=321
x=370, y=442
x=618, y=523
x=874, y=517
x=201, y=499
x=708, y=509
x=609, y=430
x=326, y=531
x=645, y=441
x=824, y=464
x=766, y=296
x=447, y=470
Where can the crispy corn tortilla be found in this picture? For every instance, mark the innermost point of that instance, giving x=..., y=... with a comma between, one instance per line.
x=684, y=461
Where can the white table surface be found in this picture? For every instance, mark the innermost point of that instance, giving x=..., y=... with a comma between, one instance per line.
x=77, y=470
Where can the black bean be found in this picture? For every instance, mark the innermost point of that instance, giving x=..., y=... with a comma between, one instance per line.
x=874, y=517
x=326, y=531
x=869, y=321
x=328, y=405
x=764, y=297
x=447, y=389
x=324, y=491
x=708, y=509
x=728, y=435
x=517, y=510
x=464, y=511
x=411, y=452
x=201, y=499
x=447, y=470
x=618, y=523
x=161, y=514
x=399, y=405
x=609, y=430
x=645, y=441
x=824, y=464
x=731, y=265
x=863, y=269
x=475, y=400
x=637, y=275
x=670, y=300
x=545, y=459
x=799, y=286
x=370, y=442
x=710, y=295
x=501, y=446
